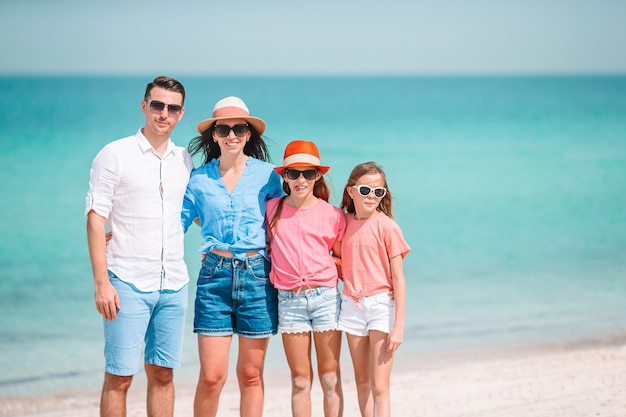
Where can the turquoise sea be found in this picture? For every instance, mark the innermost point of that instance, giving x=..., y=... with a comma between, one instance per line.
x=511, y=192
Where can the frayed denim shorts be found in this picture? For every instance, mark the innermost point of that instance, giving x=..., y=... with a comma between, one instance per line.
x=155, y=318
x=315, y=309
x=235, y=297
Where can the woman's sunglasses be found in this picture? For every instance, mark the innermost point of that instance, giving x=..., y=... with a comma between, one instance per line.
x=294, y=174
x=224, y=130
x=365, y=190
x=158, y=106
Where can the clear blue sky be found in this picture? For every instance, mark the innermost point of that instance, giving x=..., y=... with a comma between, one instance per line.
x=312, y=37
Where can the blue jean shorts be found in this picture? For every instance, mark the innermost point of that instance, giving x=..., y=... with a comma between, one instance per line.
x=315, y=309
x=155, y=318
x=235, y=297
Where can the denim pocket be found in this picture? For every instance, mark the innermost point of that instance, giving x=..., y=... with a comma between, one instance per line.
x=259, y=270
x=331, y=293
x=207, y=270
x=284, y=296
x=386, y=299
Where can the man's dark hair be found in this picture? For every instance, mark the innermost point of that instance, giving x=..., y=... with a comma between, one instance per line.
x=166, y=83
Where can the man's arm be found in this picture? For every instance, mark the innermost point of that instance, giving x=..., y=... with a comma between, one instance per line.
x=107, y=299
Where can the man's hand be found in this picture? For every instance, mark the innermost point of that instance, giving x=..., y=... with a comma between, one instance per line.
x=106, y=297
x=107, y=301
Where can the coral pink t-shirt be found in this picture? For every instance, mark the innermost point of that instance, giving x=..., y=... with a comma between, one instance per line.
x=301, y=243
x=366, y=248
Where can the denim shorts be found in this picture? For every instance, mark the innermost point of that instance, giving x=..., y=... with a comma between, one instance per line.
x=156, y=318
x=375, y=312
x=235, y=297
x=315, y=309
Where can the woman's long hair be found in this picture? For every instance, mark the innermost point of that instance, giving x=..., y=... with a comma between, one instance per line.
x=204, y=143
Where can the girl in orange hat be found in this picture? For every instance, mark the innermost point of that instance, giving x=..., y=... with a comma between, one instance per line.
x=303, y=231
x=373, y=302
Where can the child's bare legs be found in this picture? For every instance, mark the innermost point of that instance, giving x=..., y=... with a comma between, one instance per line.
x=298, y=352
x=372, y=372
x=360, y=353
x=381, y=361
x=328, y=350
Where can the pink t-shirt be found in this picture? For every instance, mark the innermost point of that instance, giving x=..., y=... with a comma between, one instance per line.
x=366, y=248
x=301, y=243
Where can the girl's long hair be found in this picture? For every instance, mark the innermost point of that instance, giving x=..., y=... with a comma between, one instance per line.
x=320, y=190
x=362, y=169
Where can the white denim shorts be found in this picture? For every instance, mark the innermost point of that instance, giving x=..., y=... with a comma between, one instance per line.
x=374, y=312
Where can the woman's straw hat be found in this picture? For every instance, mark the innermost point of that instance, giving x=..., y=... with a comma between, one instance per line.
x=231, y=108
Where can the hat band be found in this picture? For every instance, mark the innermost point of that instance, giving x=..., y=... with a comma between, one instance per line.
x=301, y=158
x=230, y=111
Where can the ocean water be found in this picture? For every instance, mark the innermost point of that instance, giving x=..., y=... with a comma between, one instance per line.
x=511, y=192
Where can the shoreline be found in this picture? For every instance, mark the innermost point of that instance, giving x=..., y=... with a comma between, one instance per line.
x=574, y=378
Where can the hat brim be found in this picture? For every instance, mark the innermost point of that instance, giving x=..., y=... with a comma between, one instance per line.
x=258, y=124
x=322, y=168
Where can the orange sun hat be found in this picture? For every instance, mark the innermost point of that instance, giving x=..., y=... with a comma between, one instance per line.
x=300, y=153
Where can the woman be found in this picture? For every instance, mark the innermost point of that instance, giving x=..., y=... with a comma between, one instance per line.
x=228, y=194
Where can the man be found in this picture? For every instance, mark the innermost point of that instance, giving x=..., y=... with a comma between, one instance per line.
x=136, y=189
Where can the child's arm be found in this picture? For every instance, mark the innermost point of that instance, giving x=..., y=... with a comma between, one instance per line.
x=336, y=253
x=399, y=294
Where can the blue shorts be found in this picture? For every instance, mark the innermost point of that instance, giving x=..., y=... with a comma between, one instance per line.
x=235, y=297
x=315, y=309
x=156, y=318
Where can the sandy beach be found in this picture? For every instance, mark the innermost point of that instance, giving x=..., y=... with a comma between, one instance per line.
x=584, y=378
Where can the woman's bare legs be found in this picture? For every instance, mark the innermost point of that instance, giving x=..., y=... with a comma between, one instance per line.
x=250, y=363
x=213, y=352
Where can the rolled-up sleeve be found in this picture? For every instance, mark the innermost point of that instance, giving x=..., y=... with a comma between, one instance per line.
x=188, y=213
x=104, y=177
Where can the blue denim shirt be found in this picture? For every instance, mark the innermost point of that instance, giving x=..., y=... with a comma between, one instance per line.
x=231, y=221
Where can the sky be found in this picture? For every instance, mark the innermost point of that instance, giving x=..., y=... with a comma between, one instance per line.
x=318, y=37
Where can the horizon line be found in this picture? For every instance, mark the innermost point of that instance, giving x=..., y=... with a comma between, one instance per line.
x=60, y=74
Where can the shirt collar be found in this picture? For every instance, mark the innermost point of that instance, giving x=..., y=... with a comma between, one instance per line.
x=145, y=146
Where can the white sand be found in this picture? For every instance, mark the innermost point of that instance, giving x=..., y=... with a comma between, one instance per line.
x=551, y=381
